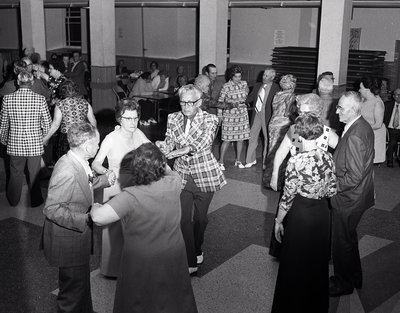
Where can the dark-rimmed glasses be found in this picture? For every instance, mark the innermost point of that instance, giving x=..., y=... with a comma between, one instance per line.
x=189, y=103
x=130, y=119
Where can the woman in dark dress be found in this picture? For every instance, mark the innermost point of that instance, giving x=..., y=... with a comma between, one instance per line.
x=154, y=275
x=303, y=278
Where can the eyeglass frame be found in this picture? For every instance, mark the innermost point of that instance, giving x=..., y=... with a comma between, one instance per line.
x=189, y=103
x=130, y=119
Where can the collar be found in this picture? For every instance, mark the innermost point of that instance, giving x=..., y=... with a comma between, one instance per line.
x=84, y=163
x=348, y=125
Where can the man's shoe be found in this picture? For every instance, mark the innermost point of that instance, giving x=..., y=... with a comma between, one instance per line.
x=389, y=164
x=193, y=271
x=248, y=165
x=200, y=259
x=335, y=291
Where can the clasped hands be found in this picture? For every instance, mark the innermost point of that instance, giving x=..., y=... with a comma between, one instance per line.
x=112, y=178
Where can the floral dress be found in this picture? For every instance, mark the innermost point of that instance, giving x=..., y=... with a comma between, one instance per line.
x=235, y=122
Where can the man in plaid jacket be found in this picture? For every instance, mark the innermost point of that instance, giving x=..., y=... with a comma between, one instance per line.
x=24, y=121
x=189, y=137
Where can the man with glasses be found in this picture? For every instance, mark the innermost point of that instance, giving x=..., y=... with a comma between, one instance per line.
x=391, y=120
x=353, y=158
x=189, y=137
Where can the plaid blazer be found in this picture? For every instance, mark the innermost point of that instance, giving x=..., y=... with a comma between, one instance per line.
x=24, y=121
x=202, y=165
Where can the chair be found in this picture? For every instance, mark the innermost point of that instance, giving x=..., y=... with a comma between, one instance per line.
x=120, y=94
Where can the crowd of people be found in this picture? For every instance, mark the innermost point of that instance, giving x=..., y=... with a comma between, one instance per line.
x=154, y=218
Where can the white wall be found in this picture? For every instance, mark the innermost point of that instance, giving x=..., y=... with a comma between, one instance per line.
x=9, y=29
x=379, y=29
x=186, y=32
x=128, y=31
x=252, y=32
x=55, y=28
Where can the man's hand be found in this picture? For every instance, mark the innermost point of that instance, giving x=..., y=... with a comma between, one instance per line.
x=178, y=153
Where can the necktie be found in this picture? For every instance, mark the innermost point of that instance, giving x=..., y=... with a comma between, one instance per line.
x=90, y=179
x=187, y=127
x=260, y=99
x=396, y=120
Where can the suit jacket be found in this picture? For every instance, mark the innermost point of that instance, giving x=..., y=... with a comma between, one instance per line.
x=78, y=76
x=66, y=235
x=201, y=165
x=25, y=120
x=389, y=105
x=353, y=157
x=252, y=99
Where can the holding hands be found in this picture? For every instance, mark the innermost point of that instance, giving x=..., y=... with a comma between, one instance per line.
x=111, y=177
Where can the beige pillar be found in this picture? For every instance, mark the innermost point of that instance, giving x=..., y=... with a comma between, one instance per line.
x=213, y=34
x=334, y=37
x=32, y=25
x=102, y=53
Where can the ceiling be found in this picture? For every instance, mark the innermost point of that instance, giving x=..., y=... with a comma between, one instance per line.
x=195, y=3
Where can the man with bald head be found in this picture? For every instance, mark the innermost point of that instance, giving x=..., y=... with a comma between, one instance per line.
x=391, y=120
x=261, y=96
x=353, y=157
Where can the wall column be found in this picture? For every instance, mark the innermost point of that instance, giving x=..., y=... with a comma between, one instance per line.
x=334, y=37
x=213, y=34
x=32, y=25
x=102, y=54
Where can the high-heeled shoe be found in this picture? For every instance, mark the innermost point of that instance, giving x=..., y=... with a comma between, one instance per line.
x=239, y=164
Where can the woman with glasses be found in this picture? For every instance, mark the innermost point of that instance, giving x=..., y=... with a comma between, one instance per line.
x=115, y=145
x=235, y=120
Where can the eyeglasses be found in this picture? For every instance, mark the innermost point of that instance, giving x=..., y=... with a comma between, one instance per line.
x=189, y=103
x=130, y=119
x=338, y=107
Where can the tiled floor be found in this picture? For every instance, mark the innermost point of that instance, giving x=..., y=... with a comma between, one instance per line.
x=238, y=274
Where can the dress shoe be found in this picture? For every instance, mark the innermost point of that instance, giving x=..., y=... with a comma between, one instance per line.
x=336, y=291
x=248, y=165
x=389, y=164
x=200, y=259
x=193, y=271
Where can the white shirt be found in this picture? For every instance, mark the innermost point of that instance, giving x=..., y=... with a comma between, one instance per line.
x=396, y=106
x=348, y=125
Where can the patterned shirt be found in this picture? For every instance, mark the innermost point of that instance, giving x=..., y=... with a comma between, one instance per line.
x=73, y=110
x=310, y=174
x=24, y=121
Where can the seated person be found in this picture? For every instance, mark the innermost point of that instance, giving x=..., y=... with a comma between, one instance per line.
x=142, y=86
x=164, y=81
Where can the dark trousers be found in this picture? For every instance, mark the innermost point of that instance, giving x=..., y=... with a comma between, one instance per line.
x=74, y=295
x=195, y=204
x=14, y=188
x=394, y=137
x=345, y=254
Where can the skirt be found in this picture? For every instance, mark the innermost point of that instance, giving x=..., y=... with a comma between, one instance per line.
x=235, y=124
x=302, y=284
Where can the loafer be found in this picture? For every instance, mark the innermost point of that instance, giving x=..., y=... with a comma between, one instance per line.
x=248, y=165
x=336, y=291
x=193, y=271
x=200, y=259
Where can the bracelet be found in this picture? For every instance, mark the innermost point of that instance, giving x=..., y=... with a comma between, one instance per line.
x=277, y=221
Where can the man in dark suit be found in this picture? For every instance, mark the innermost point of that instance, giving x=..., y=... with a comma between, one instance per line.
x=354, y=156
x=391, y=120
x=67, y=229
x=77, y=73
x=261, y=96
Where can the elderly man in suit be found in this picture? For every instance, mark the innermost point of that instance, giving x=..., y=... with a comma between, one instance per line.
x=353, y=158
x=25, y=120
x=391, y=119
x=262, y=95
x=67, y=230
x=189, y=137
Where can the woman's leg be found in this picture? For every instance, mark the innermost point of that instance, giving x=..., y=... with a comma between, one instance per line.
x=239, y=146
x=224, y=146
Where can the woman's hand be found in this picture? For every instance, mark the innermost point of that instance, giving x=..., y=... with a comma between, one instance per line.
x=279, y=231
x=274, y=181
x=111, y=177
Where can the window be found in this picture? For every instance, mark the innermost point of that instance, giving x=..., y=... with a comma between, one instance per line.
x=73, y=35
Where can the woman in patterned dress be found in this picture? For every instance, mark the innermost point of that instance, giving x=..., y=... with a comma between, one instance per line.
x=235, y=121
x=73, y=108
x=282, y=117
x=302, y=284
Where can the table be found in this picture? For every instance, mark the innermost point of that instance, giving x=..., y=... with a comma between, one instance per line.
x=156, y=97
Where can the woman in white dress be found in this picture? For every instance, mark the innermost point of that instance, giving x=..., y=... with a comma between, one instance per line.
x=373, y=111
x=115, y=145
